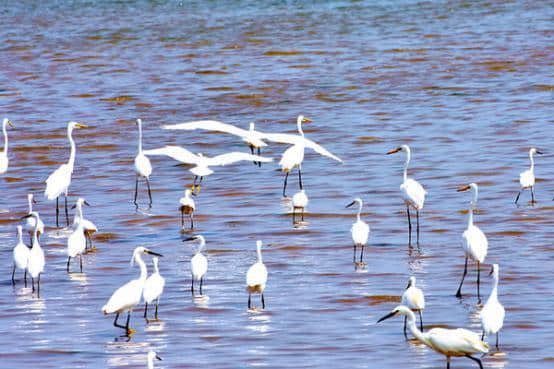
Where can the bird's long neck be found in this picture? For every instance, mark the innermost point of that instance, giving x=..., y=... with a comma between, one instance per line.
x=140, y=137
x=156, y=270
x=19, y=235
x=414, y=330
x=35, y=235
x=494, y=292
x=79, y=212
x=470, y=216
x=408, y=157
x=30, y=200
x=201, y=247
x=71, y=161
x=259, y=251
x=150, y=363
x=359, y=209
x=530, y=153
x=299, y=124
x=5, y=138
x=143, y=270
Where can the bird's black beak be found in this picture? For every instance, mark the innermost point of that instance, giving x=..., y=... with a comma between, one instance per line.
x=492, y=270
x=34, y=201
x=189, y=239
x=352, y=203
x=409, y=284
x=26, y=216
x=539, y=152
x=389, y=315
x=86, y=203
x=159, y=358
x=193, y=194
x=74, y=206
x=152, y=253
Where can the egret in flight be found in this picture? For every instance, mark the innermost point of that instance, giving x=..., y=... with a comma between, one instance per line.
x=143, y=168
x=527, y=178
x=4, y=154
x=414, y=299
x=153, y=289
x=492, y=314
x=359, y=230
x=30, y=221
x=256, y=277
x=198, y=263
x=88, y=227
x=21, y=255
x=58, y=182
x=187, y=207
x=35, y=264
x=150, y=358
x=412, y=192
x=299, y=201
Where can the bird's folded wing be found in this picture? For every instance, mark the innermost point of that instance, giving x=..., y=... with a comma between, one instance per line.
x=176, y=152
x=209, y=125
x=233, y=157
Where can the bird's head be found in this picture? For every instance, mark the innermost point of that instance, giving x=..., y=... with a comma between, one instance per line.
x=534, y=151
x=32, y=214
x=252, y=126
x=356, y=200
x=31, y=198
x=494, y=270
x=411, y=282
x=80, y=201
x=399, y=148
x=142, y=250
x=72, y=125
x=399, y=310
x=138, y=122
x=152, y=355
x=199, y=238
x=7, y=122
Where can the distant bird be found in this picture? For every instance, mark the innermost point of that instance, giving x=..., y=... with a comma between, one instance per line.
x=143, y=168
x=4, y=154
x=153, y=289
x=476, y=244
x=77, y=242
x=527, y=178
x=187, y=207
x=201, y=162
x=21, y=255
x=58, y=182
x=412, y=192
x=89, y=227
x=359, y=230
x=151, y=356
x=492, y=314
x=35, y=265
x=299, y=201
x=30, y=221
x=414, y=299
x=198, y=263
x=256, y=277
x=449, y=342
x=129, y=295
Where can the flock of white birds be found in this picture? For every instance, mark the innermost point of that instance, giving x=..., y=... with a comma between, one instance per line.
x=449, y=342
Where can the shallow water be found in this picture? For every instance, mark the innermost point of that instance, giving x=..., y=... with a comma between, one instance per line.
x=468, y=85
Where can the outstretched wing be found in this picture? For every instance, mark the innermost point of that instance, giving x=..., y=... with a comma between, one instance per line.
x=320, y=150
x=175, y=152
x=233, y=157
x=296, y=139
x=209, y=125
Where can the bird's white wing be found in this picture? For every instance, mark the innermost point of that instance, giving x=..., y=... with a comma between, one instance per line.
x=233, y=157
x=175, y=152
x=320, y=150
x=296, y=139
x=209, y=125
x=456, y=341
x=58, y=181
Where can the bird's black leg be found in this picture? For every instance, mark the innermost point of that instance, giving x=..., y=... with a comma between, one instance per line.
x=33, y=283
x=81, y=262
x=532, y=194
x=90, y=240
x=201, y=282
x=136, y=190
x=38, y=285
x=405, y=333
x=483, y=336
x=182, y=217
x=57, y=214
x=362, y=255
x=354, y=256
x=285, y=184
x=447, y=362
x=149, y=192
x=145, y=309
x=192, y=287
x=249, y=298
x=478, y=361
x=302, y=214
x=252, y=152
x=66, y=213
x=409, y=225
x=13, y=275
x=263, y=301
x=459, y=293
x=300, y=177
x=497, y=349
x=156, y=313
x=417, y=216
x=259, y=163
x=517, y=197
x=115, y=322
x=478, y=282
x=25, y=278
x=293, y=215
x=191, y=220
x=420, y=321
x=127, y=324
x=68, y=260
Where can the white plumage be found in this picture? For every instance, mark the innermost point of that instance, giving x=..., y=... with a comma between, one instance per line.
x=414, y=299
x=527, y=178
x=492, y=314
x=359, y=230
x=299, y=201
x=187, y=206
x=4, y=154
x=89, y=228
x=256, y=277
x=77, y=242
x=150, y=359
x=198, y=263
x=35, y=265
x=153, y=288
x=143, y=168
x=21, y=255
x=30, y=221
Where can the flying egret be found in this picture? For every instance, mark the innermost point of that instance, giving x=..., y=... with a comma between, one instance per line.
x=294, y=155
x=299, y=201
x=476, y=243
x=412, y=192
x=413, y=298
x=198, y=263
x=21, y=255
x=449, y=342
x=143, y=168
x=492, y=314
x=201, y=162
x=256, y=277
x=153, y=289
x=58, y=182
x=4, y=154
x=527, y=178
x=151, y=356
x=187, y=207
x=129, y=295
x=88, y=227
x=77, y=242
x=359, y=230
x=30, y=221
x=253, y=138
x=35, y=265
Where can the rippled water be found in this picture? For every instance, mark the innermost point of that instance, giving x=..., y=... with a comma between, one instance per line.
x=469, y=85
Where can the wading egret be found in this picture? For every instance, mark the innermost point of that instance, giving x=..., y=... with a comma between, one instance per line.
x=35, y=265
x=359, y=230
x=299, y=201
x=412, y=192
x=4, y=154
x=256, y=277
x=88, y=227
x=151, y=356
x=527, y=178
x=414, y=299
x=449, y=342
x=153, y=289
x=21, y=255
x=201, y=162
x=476, y=244
x=129, y=295
x=492, y=314
x=30, y=221
x=77, y=242
x=187, y=207
x=58, y=182
x=198, y=263
x=143, y=168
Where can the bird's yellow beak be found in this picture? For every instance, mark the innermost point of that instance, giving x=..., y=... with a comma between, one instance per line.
x=306, y=120
x=10, y=123
x=80, y=125
x=393, y=151
x=463, y=188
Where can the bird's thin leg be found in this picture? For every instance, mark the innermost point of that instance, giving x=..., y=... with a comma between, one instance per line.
x=13, y=275
x=252, y=152
x=354, y=256
x=249, y=298
x=259, y=163
x=302, y=214
x=31, y=239
x=362, y=255
x=25, y=278
x=156, y=313
x=409, y=225
x=532, y=194
x=483, y=336
x=149, y=192
x=263, y=301
x=478, y=281
x=136, y=190
x=33, y=283
x=192, y=286
x=38, y=285
x=201, y=282
x=191, y=220
x=517, y=197
x=90, y=241
x=300, y=176
x=459, y=293
x=405, y=333
x=66, y=213
x=145, y=309
x=127, y=324
x=115, y=322
x=68, y=260
x=285, y=184
x=478, y=361
x=57, y=213
x=417, y=216
x=81, y=262
x=182, y=217
x=448, y=362
x=194, y=183
x=497, y=349
x=420, y=321
x=293, y=215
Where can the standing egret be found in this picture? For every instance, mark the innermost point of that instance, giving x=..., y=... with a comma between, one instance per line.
x=88, y=227
x=256, y=277
x=77, y=242
x=129, y=295
x=4, y=154
x=187, y=207
x=151, y=356
x=198, y=263
x=449, y=342
x=527, y=178
x=412, y=192
x=414, y=299
x=35, y=265
x=299, y=201
x=30, y=221
x=476, y=244
x=492, y=314
x=153, y=289
x=201, y=162
x=58, y=182
x=21, y=255
x=143, y=168
x=359, y=230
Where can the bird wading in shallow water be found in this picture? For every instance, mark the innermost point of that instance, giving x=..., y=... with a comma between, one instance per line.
x=21, y=255
x=198, y=263
x=187, y=206
x=256, y=277
x=414, y=299
x=36, y=262
x=4, y=154
x=30, y=221
x=143, y=168
x=359, y=230
x=89, y=228
x=527, y=178
x=492, y=314
x=299, y=201
x=150, y=359
x=153, y=289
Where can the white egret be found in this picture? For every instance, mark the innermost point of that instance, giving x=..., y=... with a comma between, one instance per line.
x=88, y=227
x=153, y=289
x=187, y=207
x=256, y=277
x=21, y=255
x=143, y=168
x=77, y=242
x=527, y=178
x=35, y=265
x=30, y=221
x=299, y=201
x=129, y=295
x=476, y=244
x=294, y=155
x=198, y=263
x=4, y=154
x=414, y=299
x=150, y=358
x=492, y=314
x=58, y=182
x=449, y=342
x=412, y=192
x=359, y=230
x=201, y=162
